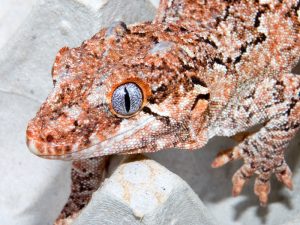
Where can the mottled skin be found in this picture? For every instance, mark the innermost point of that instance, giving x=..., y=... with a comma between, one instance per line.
x=206, y=68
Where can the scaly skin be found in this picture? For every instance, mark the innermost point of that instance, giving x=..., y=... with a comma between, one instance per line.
x=205, y=68
x=87, y=175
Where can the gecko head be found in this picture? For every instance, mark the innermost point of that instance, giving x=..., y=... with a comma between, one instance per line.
x=122, y=91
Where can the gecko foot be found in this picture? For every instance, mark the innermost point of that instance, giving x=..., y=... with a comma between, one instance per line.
x=262, y=166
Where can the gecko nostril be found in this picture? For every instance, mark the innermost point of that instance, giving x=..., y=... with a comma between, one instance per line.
x=49, y=138
x=75, y=123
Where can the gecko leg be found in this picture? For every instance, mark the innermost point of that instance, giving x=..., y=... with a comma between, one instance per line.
x=263, y=151
x=87, y=175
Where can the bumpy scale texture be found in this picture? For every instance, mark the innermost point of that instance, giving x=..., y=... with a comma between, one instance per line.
x=205, y=68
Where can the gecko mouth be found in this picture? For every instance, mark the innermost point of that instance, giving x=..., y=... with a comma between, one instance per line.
x=94, y=149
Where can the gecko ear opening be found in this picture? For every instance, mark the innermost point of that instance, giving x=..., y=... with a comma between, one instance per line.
x=58, y=61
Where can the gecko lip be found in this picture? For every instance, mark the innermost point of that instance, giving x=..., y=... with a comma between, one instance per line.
x=67, y=152
x=39, y=148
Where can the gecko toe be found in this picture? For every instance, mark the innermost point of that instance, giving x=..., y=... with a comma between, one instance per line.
x=262, y=188
x=285, y=176
x=240, y=177
x=226, y=156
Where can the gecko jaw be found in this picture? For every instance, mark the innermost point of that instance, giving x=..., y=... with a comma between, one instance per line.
x=67, y=152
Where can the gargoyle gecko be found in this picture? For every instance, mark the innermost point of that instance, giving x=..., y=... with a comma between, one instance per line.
x=200, y=69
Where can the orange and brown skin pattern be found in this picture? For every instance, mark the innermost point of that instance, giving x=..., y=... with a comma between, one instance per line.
x=205, y=68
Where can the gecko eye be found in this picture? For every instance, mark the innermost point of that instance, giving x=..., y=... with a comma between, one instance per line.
x=127, y=99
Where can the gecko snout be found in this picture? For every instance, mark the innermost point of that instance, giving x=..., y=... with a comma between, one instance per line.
x=46, y=142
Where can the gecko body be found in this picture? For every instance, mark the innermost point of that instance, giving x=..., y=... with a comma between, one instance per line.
x=200, y=69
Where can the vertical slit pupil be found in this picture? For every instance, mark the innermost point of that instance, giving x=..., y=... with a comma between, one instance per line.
x=127, y=100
